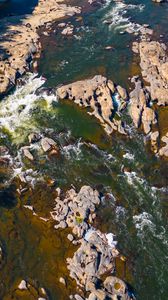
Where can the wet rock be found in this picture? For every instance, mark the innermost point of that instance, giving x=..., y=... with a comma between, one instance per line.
x=70, y=237
x=97, y=93
x=21, y=43
x=164, y=150
x=154, y=65
x=61, y=24
x=122, y=92
x=115, y=286
x=34, y=137
x=22, y=285
x=68, y=30
x=62, y=280
x=75, y=208
x=97, y=251
x=92, y=296
x=148, y=118
x=140, y=109
x=139, y=99
x=154, y=141
x=47, y=144
x=27, y=154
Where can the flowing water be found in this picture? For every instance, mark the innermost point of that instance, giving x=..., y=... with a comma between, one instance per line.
x=136, y=209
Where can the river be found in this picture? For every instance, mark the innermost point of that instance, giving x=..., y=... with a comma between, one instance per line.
x=135, y=179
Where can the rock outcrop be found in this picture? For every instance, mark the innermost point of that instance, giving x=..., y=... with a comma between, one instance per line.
x=20, y=43
x=164, y=150
x=96, y=254
x=102, y=96
x=154, y=66
x=140, y=110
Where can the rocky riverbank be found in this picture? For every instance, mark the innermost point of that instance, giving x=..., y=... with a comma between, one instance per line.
x=19, y=44
x=153, y=90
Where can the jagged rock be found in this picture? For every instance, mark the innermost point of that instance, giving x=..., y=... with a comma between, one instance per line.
x=27, y=154
x=92, y=296
x=115, y=286
x=62, y=280
x=164, y=150
x=148, y=118
x=154, y=65
x=97, y=251
x=20, y=43
x=70, y=237
x=139, y=104
x=47, y=144
x=68, y=30
x=122, y=92
x=34, y=137
x=22, y=285
x=96, y=93
x=75, y=209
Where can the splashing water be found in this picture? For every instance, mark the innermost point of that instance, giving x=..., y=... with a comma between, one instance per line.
x=16, y=109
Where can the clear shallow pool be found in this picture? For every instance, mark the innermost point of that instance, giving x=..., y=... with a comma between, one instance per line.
x=136, y=209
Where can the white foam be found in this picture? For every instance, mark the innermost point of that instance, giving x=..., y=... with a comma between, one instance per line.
x=110, y=238
x=128, y=156
x=118, y=18
x=15, y=109
x=132, y=177
x=73, y=149
x=143, y=220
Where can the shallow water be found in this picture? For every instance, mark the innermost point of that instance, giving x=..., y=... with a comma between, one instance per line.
x=136, y=209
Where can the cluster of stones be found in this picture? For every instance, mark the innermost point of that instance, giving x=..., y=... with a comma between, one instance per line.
x=96, y=254
x=26, y=290
x=46, y=144
x=20, y=43
x=154, y=66
x=100, y=95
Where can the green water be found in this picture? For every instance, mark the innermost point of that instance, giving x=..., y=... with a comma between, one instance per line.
x=136, y=209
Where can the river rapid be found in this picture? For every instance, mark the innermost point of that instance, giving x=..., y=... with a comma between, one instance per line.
x=136, y=180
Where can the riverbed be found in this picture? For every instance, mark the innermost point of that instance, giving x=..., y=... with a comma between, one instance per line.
x=136, y=180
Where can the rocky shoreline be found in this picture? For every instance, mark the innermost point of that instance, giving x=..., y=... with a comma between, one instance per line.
x=151, y=93
x=20, y=43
